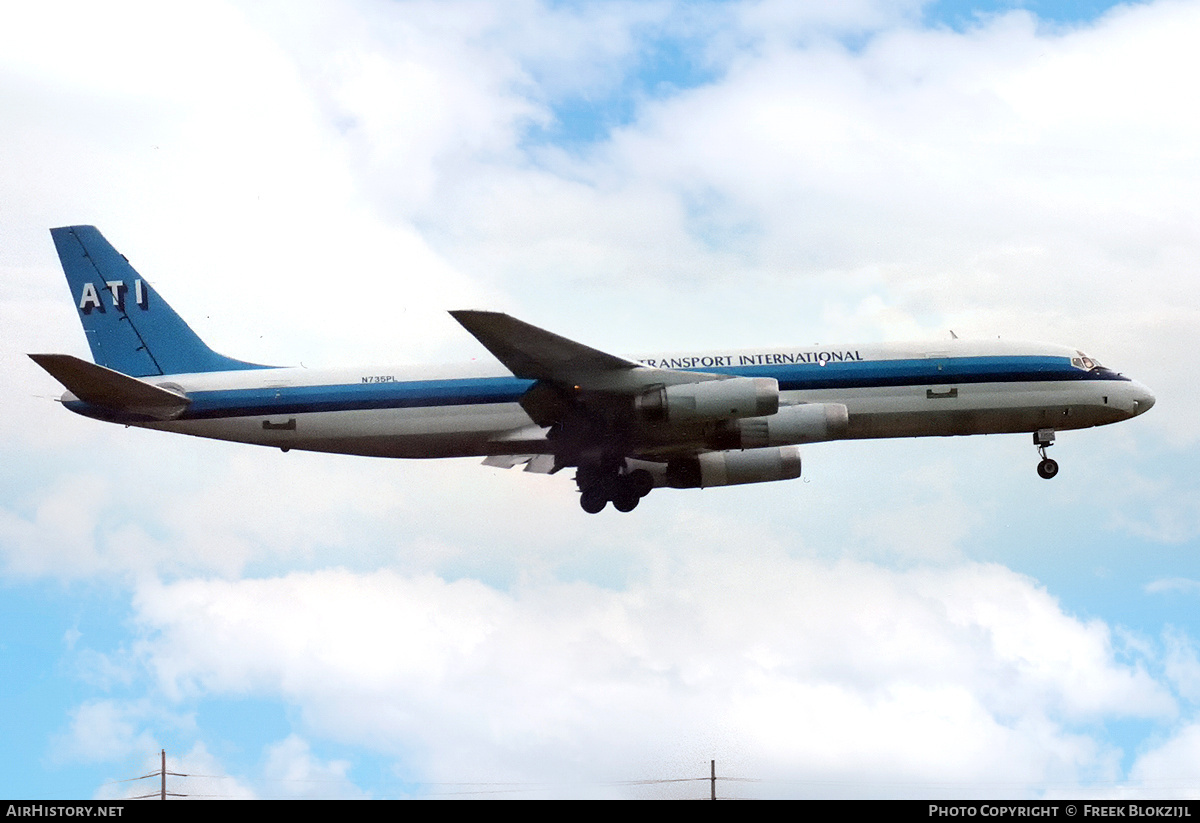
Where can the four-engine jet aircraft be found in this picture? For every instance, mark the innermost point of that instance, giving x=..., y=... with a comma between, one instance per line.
x=626, y=425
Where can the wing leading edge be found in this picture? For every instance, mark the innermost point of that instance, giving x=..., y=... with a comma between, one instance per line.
x=533, y=353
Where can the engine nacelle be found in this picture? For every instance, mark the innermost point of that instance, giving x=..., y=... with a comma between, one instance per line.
x=806, y=423
x=711, y=400
x=732, y=468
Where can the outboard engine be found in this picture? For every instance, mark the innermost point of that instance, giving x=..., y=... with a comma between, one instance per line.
x=806, y=423
x=732, y=468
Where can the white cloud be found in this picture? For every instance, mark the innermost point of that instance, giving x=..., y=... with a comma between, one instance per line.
x=777, y=666
x=104, y=730
x=1007, y=180
x=1170, y=769
x=1179, y=584
x=1181, y=665
x=293, y=772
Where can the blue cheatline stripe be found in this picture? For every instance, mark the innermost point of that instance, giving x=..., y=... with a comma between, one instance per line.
x=921, y=372
x=355, y=397
x=791, y=377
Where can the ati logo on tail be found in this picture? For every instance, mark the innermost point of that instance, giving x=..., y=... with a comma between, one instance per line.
x=90, y=299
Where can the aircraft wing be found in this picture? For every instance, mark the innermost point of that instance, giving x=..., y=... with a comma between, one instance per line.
x=533, y=353
x=536, y=354
x=591, y=407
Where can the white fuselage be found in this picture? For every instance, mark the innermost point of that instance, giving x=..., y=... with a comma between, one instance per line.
x=898, y=390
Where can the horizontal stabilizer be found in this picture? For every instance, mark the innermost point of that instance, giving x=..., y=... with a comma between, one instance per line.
x=111, y=389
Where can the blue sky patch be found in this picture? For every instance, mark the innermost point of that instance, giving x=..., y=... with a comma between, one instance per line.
x=961, y=15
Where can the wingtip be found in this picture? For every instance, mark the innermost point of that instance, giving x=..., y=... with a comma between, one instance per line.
x=466, y=316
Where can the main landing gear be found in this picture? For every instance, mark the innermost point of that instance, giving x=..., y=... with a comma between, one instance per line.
x=1043, y=439
x=625, y=489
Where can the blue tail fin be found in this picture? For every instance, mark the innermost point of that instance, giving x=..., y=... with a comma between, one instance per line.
x=129, y=327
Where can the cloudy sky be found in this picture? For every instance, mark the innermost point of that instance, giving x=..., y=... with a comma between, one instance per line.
x=316, y=183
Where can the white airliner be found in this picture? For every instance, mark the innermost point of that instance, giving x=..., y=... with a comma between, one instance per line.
x=627, y=425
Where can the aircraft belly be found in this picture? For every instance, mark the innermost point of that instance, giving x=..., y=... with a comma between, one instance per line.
x=437, y=431
x=980, y=408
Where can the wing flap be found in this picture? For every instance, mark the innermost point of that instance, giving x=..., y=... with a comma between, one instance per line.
x=105, y=387
x=542, y=464
x=506, y=461
x=536, y=463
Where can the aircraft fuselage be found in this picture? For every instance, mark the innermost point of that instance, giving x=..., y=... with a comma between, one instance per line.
x=956, y=388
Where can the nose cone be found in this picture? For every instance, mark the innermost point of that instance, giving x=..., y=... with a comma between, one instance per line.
x=1126, y=399
x=1143, y=399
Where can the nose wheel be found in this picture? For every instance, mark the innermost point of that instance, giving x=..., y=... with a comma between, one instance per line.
x=1043, y=439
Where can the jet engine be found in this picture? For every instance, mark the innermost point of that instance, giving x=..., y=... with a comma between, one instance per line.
x=732, y=468
x=711, y=400
x=805, y=423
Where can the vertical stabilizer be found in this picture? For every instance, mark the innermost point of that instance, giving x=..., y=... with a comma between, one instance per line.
x=129, y=327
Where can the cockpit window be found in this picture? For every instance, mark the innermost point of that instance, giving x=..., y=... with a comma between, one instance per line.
x=1084, y=362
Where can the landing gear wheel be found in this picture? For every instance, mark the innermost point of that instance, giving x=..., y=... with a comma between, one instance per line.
x=625, y=500
x=1047, y=468
x=626, y=492
x=593, y=500
x=1043, y=439
x=604, y=483
x=641, y=482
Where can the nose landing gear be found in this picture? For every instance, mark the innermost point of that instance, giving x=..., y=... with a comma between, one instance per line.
x=1043, y=439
